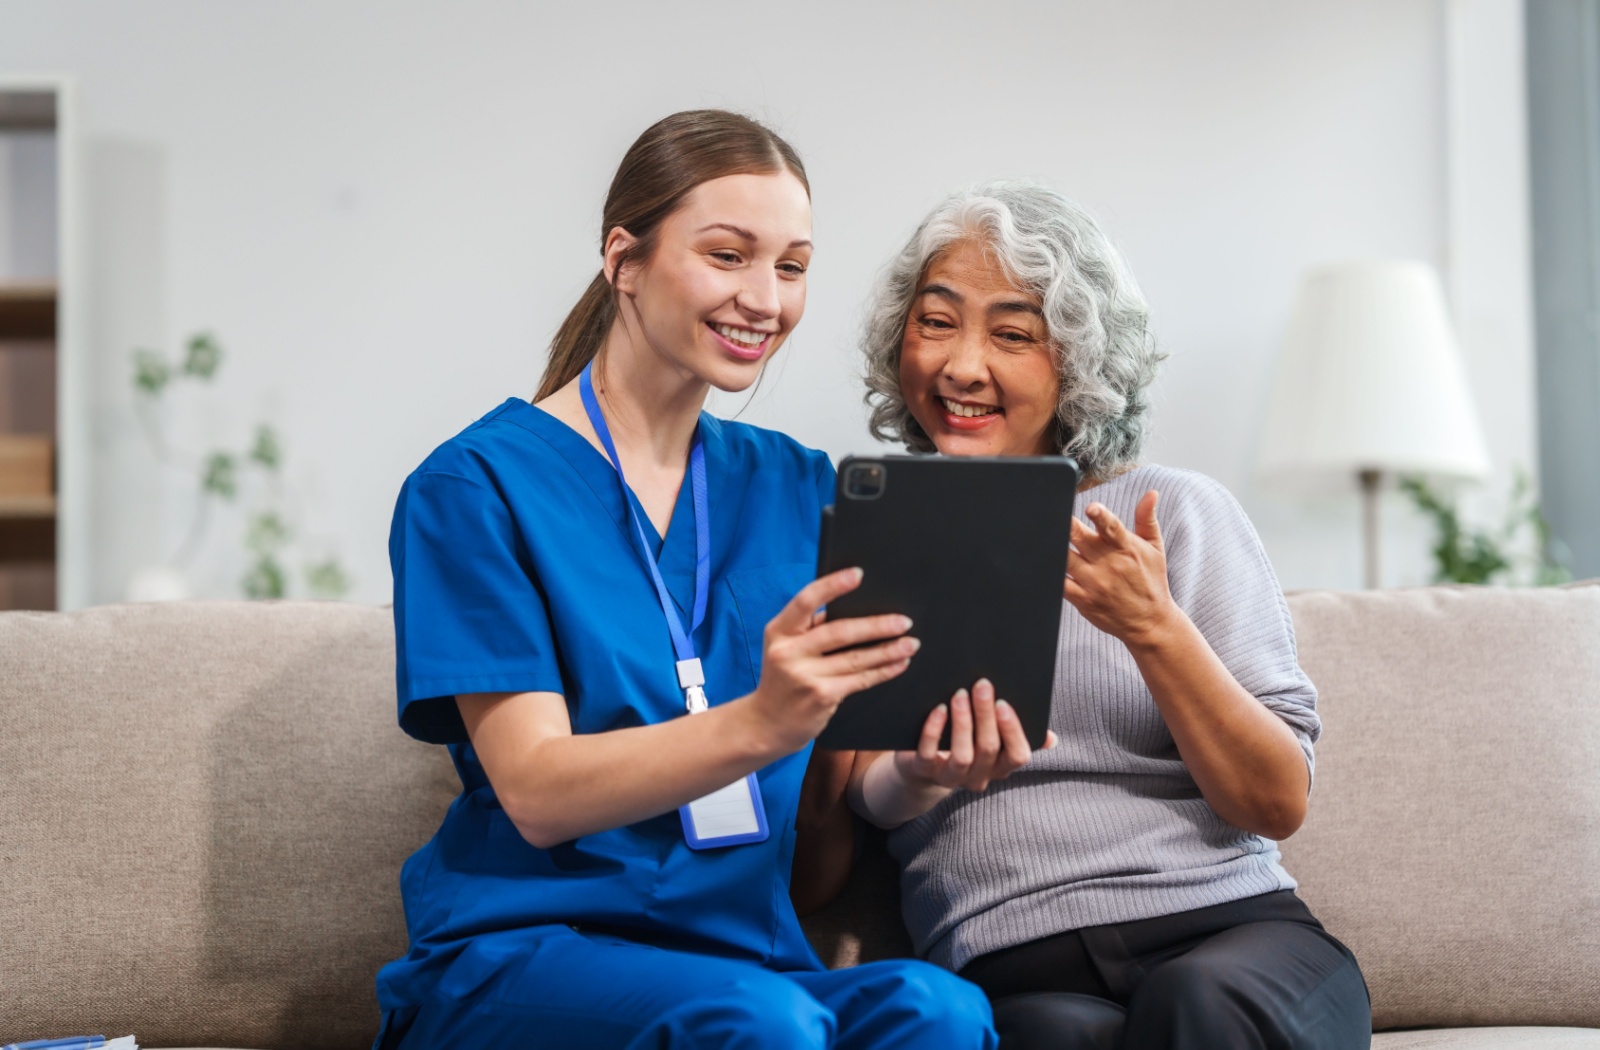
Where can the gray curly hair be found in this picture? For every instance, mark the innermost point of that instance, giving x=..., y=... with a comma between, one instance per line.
x=1098, y=321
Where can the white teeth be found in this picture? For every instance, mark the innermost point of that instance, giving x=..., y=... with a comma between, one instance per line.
x=742, y=336
x=956, y=408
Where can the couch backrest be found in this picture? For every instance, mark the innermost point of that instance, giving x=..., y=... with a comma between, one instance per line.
x=204, y=808
x=203, y=812
x=1453, y=840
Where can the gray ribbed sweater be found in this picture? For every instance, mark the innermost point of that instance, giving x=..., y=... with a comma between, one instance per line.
x=1109, y=825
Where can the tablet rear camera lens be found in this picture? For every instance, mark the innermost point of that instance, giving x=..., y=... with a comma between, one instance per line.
x=864, y=481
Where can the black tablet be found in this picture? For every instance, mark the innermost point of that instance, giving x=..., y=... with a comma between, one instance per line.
x=974, y=550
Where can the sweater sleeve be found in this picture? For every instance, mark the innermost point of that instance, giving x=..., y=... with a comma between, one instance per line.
x=1220, y=576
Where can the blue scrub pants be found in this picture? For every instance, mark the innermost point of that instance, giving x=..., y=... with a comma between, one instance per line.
x=554, y=987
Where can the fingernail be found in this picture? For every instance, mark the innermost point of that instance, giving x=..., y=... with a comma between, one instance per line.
x=1002, y=707
x=905, y=623
x=1096, y=508
x=859, y=572
x=982, y=682
x=911, y=645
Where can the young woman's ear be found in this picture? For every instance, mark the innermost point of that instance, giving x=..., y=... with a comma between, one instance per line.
x=619, y=270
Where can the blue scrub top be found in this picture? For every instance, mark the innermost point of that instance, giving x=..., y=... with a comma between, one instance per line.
x=516, y=569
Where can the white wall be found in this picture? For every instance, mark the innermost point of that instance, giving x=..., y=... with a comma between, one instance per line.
x=1489, y=262
x=384, y=210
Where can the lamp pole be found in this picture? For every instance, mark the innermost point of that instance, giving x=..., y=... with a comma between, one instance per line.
x=1370, y=479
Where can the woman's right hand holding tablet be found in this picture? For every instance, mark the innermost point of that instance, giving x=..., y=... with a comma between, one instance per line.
x=557, y=785
x=809, y=664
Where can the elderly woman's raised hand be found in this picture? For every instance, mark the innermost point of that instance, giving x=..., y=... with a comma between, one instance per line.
x=1116, y=576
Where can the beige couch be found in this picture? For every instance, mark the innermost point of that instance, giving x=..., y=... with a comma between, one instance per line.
x=203, y=810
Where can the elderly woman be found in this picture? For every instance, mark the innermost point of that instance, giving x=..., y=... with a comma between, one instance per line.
x=1123, y=889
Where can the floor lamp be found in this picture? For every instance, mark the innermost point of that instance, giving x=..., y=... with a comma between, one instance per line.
x=1370, y=383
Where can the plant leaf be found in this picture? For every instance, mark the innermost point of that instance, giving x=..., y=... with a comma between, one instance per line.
x=151, y=373
x=268, y=533
x=203, y=356
x=327, y=579
x=267, y=451
x=221, y=475
x=265, y=579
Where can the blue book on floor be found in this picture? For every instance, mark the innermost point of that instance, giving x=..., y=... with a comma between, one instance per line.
x=76, y=1042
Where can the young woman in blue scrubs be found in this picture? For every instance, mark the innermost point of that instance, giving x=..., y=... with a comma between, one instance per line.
x=629, y=673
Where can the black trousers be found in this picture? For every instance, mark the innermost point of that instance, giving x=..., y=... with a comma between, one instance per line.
x=1256, y=973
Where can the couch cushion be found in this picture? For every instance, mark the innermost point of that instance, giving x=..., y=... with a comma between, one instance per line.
x=203, y=813
x=1453, y=840
x=1490, y=1039
x=862, y=923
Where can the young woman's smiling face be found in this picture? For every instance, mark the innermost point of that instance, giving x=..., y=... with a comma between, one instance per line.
x=976, y=366
x=726, y=283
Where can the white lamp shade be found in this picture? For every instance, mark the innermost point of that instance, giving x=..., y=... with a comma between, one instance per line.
x=1370, y=379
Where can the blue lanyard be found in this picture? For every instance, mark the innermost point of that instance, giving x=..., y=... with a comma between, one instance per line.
x=690, y=675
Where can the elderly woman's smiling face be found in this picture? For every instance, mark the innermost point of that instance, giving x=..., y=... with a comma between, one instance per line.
x=976, y=367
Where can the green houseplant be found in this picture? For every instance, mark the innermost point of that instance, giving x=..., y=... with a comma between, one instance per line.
x=269, y=534
x=1520, y=551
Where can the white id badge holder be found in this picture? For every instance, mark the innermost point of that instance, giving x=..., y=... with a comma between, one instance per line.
x=730, y=816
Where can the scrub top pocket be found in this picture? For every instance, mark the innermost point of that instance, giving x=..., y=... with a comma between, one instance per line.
x=759, y=595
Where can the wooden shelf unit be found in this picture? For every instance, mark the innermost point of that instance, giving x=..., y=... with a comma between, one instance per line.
x=27, y=312
x=39, y=274
x=27, y=395
x=28, y=506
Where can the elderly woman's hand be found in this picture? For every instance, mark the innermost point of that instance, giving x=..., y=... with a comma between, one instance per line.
x=1117, y=577
x=986, y=743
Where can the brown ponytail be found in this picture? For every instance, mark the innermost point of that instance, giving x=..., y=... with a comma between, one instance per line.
x=659, y=170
